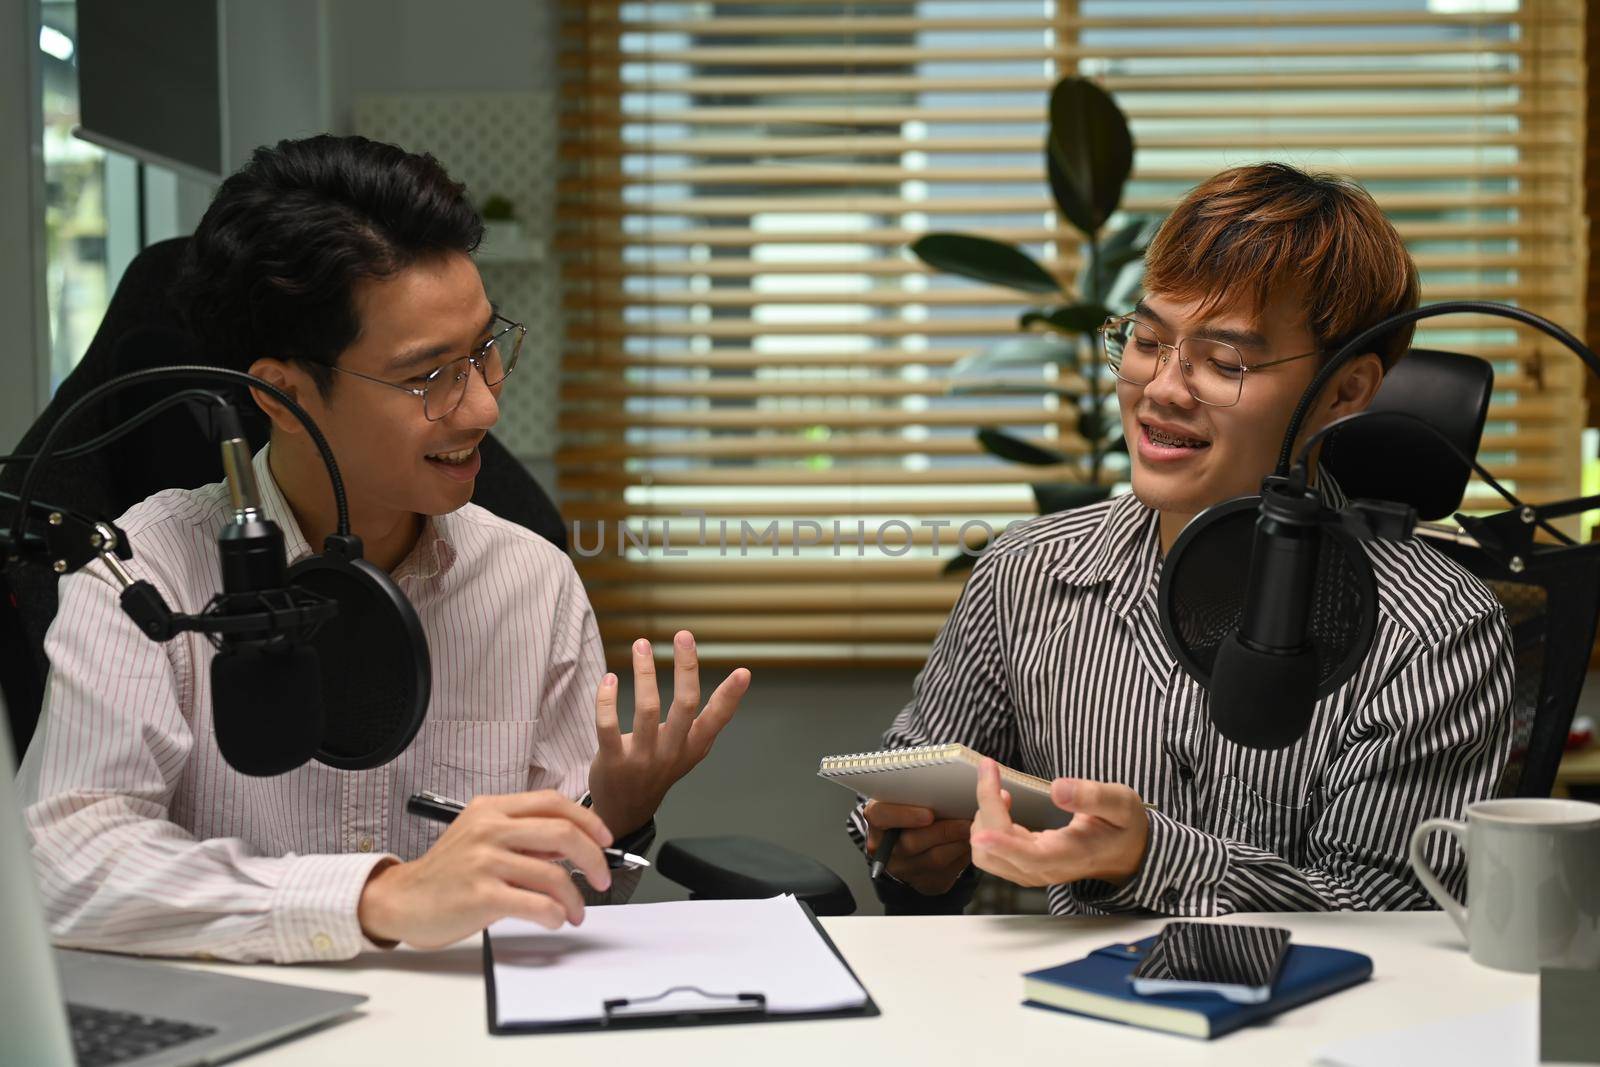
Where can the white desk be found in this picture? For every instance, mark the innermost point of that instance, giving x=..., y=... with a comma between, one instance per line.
x=950, y=990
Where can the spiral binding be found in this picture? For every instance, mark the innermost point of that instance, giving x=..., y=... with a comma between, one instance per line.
x=896, y=759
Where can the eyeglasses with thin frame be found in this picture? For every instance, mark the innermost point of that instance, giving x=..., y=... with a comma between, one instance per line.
x=443, y=388
x=1213, y=371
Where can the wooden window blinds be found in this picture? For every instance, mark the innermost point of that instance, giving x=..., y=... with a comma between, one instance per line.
x=759, y=441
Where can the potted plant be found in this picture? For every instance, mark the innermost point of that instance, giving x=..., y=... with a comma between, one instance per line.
x=1088, y=156
x=502, y=233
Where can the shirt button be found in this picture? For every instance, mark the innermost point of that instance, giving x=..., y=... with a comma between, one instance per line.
x=322, y=943
x=1186, y=772
x=366, y=844
x=1171, y=898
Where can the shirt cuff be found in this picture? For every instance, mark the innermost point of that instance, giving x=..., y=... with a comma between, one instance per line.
x=1180, y=874
x=635, y=841
x=314, y=907
x=639, y=841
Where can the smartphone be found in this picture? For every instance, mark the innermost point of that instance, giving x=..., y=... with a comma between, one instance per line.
x=1239, y=962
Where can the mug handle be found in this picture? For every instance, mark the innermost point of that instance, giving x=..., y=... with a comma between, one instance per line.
x=1430, y=881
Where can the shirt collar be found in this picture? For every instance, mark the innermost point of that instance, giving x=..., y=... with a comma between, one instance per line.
x=431, y=557
x=1126, y=544
x=275, y=506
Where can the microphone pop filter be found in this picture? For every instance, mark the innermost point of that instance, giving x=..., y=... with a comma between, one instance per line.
x=1201, y=600
x=376, y=677
x=266, y=706
x=1262, y=699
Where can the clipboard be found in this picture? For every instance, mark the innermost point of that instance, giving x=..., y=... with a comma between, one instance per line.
x=692, y=1006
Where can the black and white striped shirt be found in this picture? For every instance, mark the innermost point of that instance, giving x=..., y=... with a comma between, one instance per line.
x=1053, y=662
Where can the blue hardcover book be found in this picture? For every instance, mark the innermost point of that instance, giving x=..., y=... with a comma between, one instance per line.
x=1098, y=985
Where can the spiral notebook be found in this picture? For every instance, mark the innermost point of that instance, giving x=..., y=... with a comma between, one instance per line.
x=943, y=778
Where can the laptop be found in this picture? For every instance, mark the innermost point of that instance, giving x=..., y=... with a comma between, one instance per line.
x=97, y=1010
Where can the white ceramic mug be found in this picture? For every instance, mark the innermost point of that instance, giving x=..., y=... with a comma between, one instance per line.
x=1533, y=882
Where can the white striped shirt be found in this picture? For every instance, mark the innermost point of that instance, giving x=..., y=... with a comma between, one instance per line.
x=1053, y=662
x=146, y=841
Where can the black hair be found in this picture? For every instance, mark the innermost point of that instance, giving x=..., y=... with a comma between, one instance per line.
x=272, y=268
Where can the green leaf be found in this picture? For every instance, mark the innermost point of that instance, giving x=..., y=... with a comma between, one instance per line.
x=1130, y=239
x=1004, y=445
x=1111, y=265
x=961, y=562
x=984, y=260
x=1129, y=282
x=1071, y=318
x=1091, y=426
x=1125, y=247
x=1090, y=152
x=1069, y=202
x=1057, y=496
x=1020, y=352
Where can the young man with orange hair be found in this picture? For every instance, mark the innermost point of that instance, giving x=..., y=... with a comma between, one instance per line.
x=1053, y=661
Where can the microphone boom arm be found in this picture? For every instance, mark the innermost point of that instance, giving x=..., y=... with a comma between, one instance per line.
x=1361, y=343
x=181, y=372
x=1507, y=536
x=70, y=541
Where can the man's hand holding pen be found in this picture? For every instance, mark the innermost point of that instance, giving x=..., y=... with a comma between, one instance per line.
x=497, y=859
x=500, y=856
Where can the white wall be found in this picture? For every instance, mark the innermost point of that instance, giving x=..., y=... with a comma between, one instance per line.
x=276, y=63
x=388, y=46
x=463, y=47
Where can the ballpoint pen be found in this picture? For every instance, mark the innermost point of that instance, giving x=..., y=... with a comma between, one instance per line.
x=880, y=858
x=443, y=809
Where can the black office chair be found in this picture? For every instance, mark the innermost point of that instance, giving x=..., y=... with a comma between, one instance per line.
x=141, y=329
x=1394, y=460
x=735, y=867
x=1552, y=612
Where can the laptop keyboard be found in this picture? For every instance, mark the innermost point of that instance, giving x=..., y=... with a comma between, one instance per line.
x=101, y=1038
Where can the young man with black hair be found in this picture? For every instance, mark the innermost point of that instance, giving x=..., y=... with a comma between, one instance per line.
x=340, y=271
x=1053, y=660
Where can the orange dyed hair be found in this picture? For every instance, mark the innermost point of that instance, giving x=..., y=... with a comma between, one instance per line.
x=1253, y=232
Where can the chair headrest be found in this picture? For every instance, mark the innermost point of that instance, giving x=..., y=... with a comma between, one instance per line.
x=1396, y=461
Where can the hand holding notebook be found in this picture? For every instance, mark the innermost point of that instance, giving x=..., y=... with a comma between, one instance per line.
x=929, y=793
x=1106, y=840
x=943, y=779
x=1026, y=840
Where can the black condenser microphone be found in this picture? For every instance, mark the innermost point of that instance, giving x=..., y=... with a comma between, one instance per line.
x=266, y=686
x=273, y=626
x=1265, y=678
